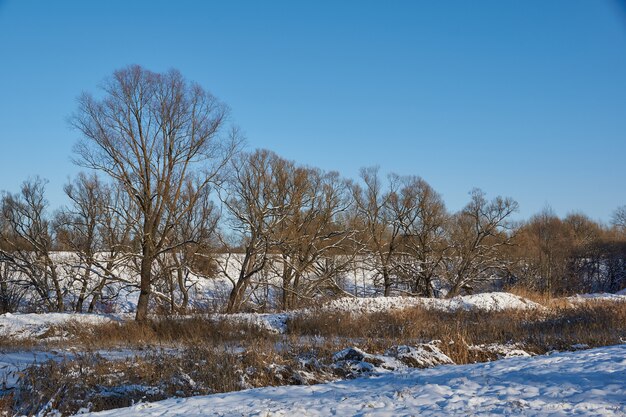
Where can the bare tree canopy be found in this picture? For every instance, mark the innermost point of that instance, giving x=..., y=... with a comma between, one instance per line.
x=155, y=134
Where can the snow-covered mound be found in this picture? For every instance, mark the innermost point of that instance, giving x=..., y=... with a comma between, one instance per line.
x=352, y=362
x=492, y=301
x=425, y=355
x=583, y=383
x=23, y=326
x=272, y=322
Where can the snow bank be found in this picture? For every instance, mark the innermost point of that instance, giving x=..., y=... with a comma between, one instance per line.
x=24, y=326
x=493, y=301
x=584, y=383
x=275, y=323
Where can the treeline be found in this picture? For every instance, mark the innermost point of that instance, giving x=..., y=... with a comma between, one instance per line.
x=172, y=197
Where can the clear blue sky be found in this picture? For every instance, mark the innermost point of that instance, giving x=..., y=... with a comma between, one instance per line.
x=519, y=98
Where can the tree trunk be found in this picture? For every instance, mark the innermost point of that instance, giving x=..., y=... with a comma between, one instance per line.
x=287, y=276
x=97, y=292
x=386, y=282
x=4, y=297
x=145, y=284
x=236, y=296
x=455, y=290
x=60, y=306
x=183, y=290
x=83, y=290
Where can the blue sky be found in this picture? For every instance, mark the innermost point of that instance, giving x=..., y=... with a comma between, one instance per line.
x=524, y=99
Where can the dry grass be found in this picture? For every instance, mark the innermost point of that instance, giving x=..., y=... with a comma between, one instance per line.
x=592, y=324
x=187, y=331
x=543, y=298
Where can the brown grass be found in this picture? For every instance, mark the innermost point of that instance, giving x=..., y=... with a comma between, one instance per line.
x=593, y=324
x=189, y=331
x=543, y=298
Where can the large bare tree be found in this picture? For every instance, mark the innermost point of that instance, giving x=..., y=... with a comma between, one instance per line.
x=153, y=133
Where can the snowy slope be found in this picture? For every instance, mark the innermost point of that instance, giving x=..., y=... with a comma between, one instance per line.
x=491, y=301
x=583, y=383
x=34, y=325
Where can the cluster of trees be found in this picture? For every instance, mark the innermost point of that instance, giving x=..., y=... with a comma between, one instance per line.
x=177, y=199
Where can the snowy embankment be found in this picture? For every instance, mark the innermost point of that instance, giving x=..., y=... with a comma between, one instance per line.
x=494, y=301
x=35, y=325
x=583, y=383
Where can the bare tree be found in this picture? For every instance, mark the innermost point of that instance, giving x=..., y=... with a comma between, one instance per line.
x=477, y=235
x=619, y=218
x=180, y=268
x=153, y=133
x=422, y=216
x=253, y=197
x=27, y=242
x=311, y=237
x=380, y=226
x=77, y=228
x=119, y=219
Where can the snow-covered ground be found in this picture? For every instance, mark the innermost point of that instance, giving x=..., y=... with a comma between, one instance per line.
x=583, y=383
x=11, y=363
x=582, y=298
x=34, y=325
x=492, y=301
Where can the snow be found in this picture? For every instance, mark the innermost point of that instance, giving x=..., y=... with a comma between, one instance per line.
x=272, y=322
x=493, y=301
x=425, y=355
x=582, y=383
x=507, y=351
x=11, y=363
x=33, y=325
x=582, y=298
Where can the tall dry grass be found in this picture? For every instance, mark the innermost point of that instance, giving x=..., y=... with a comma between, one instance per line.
x=559, y=328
